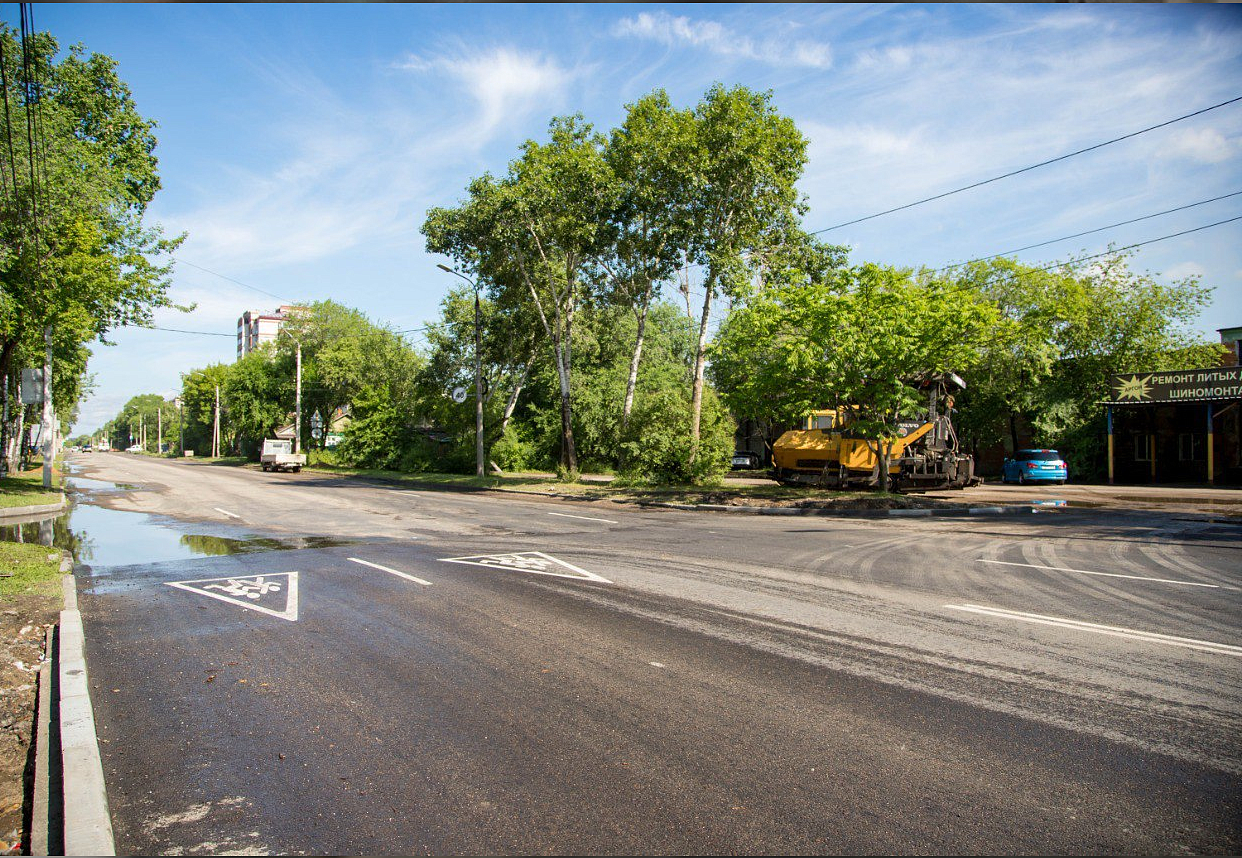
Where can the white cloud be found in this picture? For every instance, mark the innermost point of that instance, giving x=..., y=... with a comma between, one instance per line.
x=1205, y=145
x=505, y=82
x=1183, y=270
x=715, y=37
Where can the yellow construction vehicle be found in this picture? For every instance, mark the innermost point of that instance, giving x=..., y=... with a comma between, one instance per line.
x=828, y=452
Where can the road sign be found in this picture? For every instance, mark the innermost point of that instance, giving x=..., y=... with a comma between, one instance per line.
x=459, y=394
x=32, y=386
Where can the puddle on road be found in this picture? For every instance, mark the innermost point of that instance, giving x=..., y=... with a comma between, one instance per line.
x=103, y=537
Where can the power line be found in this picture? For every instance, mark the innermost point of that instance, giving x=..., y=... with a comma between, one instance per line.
x=230, y=279
x=1112, y=251
x=1089, y=231
x=1026, y=169
x=182, y=331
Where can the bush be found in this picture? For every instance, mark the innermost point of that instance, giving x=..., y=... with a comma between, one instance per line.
x=657, y=444
x=513, y=451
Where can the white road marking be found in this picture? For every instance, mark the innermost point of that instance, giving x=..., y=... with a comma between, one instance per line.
x=252, y=588
x=656, y=663
x=391, y=571
x=1114, y=631
x=1103, y=574
x=534, y=562
x=583, y=517
x=226, y=512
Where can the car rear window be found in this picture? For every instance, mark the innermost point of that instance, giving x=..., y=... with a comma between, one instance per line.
x=1039, y=456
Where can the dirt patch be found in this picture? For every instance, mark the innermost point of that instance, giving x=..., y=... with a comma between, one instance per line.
x=24, y=620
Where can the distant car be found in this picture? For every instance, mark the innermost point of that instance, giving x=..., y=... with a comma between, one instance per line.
x=744, y=460
x=86, y=448
x=1035, y=466
x=137, y=448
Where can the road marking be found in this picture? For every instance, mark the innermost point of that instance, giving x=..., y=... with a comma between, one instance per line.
x=656, y=664
x=247, y=591
x=1103, y=574
x=534, y=562
x=226, y=512
x=1114, y=631
x=390, y=571
x=583, y=517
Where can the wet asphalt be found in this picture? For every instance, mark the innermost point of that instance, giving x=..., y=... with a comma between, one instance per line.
x=735, y=685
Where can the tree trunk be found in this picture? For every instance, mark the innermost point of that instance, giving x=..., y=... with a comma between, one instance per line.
x=513, y=397
x=635, y=359
x=1013, y=431
x=700, y=358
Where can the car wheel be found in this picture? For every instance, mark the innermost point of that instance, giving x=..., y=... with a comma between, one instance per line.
x=1021, y=479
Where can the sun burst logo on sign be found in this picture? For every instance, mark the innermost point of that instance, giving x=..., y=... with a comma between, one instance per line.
x=1134, y=388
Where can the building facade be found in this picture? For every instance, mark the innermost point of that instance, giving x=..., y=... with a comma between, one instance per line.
x=255, y=328
x=1181, y=426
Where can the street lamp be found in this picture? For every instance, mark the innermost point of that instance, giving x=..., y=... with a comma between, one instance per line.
x=478, y=373
x=180, y=424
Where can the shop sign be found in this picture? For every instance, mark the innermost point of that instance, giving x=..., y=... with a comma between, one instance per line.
x=1190, y=385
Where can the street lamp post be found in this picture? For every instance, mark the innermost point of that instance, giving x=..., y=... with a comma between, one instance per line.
x=478, y=373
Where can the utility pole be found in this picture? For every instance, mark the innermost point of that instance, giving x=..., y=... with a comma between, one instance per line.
x=215, y=433
x=478, y=371
x=159, y=430
x=180, y=424
x=49, y=414
x=142, y=432
x=297, y=419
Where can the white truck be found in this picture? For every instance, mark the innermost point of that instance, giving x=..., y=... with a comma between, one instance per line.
x=278, y=455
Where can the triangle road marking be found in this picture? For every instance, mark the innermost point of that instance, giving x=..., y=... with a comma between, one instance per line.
x=534, y=562
x=245, y=591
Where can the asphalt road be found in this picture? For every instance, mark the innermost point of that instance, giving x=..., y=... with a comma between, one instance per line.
x=1057, y=683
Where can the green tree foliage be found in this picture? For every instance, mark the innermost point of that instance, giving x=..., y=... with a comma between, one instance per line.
x=1068, y=329
x=75, y=253
x=659, y=444
x=746, y=161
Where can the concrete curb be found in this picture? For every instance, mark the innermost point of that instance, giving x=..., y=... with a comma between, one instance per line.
x=88, y=825
x=41, y=811
x=850, y=513
x=19, y=511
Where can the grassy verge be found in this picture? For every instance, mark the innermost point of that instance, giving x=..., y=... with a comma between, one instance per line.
x=27, y=569
x=23, y=490
x=617, y=490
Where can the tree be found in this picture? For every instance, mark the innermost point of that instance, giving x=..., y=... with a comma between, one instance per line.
x=76, y=259
x=1068, y=329
x=746, y=161
x=649, y=156
x=538, y=232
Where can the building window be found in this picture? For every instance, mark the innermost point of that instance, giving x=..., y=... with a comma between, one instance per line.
x=1190, y=447
x=1142, y=448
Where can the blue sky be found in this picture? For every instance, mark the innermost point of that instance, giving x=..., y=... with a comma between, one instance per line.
x=300, y=146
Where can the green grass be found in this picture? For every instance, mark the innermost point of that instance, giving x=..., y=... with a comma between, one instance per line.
x=27, y=569
x=27, y=491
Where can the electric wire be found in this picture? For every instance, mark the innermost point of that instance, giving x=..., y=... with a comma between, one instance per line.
x=1012, y=173
x=1088, y=232
x=184, y=261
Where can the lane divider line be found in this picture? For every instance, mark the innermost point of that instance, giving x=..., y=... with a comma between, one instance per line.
x=1096, y=628
x=396, y=572
x=583, y=517
x=1103, y=574
x=226, y=512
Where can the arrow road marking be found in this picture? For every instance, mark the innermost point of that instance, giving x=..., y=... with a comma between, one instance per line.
x=247, y=590
x=534, y=562
x=583, y=517
x=1113, y=631
x=1103, y=574
x=390, y=571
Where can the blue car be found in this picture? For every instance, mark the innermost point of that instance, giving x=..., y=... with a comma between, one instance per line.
x=1035, y=466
